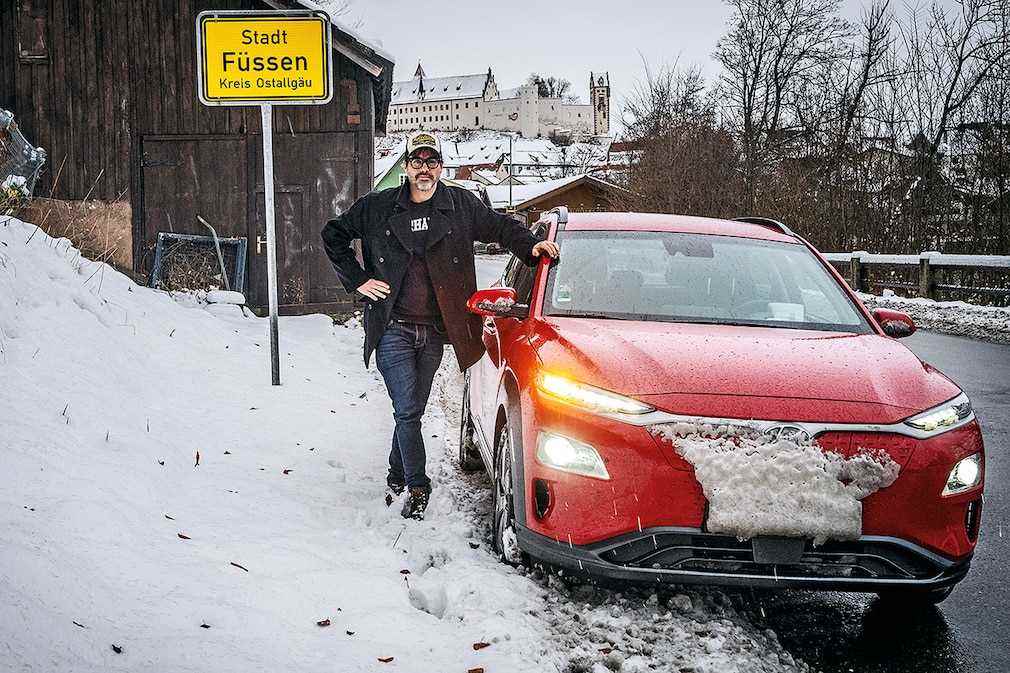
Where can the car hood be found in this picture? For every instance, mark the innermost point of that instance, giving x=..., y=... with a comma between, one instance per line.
x=658, y=358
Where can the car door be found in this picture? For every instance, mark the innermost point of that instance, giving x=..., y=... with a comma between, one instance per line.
x=501, y=333
x=482, y=375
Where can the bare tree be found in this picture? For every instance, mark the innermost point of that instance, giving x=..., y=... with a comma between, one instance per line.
x=549, y=87
x=771, y=53
x=684, y=163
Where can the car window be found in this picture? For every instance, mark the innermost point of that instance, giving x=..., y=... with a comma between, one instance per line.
x=523, y=284
x=508, y=277
x=520, y=277
x=678, y=277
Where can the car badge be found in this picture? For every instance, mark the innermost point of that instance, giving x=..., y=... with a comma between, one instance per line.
x=792, y=433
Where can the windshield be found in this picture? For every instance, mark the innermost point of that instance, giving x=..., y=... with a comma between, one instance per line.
x=674, y=277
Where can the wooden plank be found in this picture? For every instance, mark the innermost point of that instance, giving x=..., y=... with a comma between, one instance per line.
x=121, y=86
x=92, y=137
x=75, y=58
x=186, y=45
x=8, y=56
x=62, y=110
x=169, y=65
x=104, y=48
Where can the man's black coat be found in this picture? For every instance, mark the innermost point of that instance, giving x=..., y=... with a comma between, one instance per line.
x=458, y=219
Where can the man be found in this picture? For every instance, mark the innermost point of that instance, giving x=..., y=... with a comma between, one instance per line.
x=417, y=246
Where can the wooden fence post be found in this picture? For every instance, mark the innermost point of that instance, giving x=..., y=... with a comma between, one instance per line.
x=927, y=280
x=857, y=272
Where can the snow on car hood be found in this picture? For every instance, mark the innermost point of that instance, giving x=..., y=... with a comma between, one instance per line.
x=654, y=358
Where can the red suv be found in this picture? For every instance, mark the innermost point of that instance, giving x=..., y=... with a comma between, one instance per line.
x=651, y=320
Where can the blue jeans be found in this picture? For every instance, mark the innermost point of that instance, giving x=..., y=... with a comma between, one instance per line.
x=407, y=356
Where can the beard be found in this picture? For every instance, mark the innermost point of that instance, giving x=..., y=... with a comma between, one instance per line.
x=424, y=183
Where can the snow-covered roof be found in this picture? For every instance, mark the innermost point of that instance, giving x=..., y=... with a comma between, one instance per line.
x=384, y=160
x=499, y=194
x=439, y=88
x=372, y=43
x=489, y=177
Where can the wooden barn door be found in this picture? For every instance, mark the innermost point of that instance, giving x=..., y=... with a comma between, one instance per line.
x=293, y=248
x=183, y=177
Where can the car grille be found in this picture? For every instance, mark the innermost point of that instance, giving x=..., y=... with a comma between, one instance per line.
x=861, y=559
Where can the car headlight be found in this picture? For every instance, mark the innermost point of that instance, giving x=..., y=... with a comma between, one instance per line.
x=943, y=417
x=590, y=397
x=570, y=455
x=966, y=474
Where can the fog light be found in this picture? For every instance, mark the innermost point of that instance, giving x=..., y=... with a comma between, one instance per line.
x=569, y=455
x=541, y=497
x=965, y=475
x=973, y=519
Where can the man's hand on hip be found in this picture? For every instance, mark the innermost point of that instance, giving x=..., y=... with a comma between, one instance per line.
x=374, y=289
x=549, y=248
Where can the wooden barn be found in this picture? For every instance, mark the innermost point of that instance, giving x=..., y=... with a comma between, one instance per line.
x=108, y=88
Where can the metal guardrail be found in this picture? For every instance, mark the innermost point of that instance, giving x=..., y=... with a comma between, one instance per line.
x=933, y=269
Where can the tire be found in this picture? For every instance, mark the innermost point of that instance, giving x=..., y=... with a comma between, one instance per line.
x=469, y=454
x=913, y=596
x=503, y=524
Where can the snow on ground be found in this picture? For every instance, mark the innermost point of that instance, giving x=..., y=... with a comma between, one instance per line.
x=165, y=508
x=757, y=485
x=989, y=323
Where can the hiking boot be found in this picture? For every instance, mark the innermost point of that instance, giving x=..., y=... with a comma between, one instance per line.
x=416, y=502
x=393, y=491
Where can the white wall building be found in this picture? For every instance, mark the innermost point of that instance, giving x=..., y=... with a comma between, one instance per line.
x=474, y=102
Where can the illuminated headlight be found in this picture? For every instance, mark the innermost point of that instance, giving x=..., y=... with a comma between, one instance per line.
x=965, y=475
x=569, y=455
x=590, y=397
x=940, y=419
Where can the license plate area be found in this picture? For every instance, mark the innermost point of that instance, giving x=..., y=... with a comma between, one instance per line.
x=778, y=550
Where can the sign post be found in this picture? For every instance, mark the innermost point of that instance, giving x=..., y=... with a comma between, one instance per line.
x=265, y=58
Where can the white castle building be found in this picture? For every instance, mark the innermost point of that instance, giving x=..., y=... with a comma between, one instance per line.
x=475, y=102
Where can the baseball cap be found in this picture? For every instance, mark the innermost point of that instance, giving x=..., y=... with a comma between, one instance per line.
x=422, y=140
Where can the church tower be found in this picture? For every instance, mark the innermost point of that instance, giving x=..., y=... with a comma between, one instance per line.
x=599, y=96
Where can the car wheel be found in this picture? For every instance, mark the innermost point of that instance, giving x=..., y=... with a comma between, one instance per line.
x=469, y=455
x=906, y=596
x=506, y=541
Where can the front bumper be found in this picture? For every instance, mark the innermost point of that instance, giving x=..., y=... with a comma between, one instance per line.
x=690, y=556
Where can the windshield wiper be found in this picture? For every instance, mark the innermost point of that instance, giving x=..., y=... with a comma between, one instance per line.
x=587, y=314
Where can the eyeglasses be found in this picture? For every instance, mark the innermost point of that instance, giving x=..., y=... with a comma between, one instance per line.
x=430, y=162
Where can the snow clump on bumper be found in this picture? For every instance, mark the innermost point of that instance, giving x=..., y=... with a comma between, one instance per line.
x=758, y=485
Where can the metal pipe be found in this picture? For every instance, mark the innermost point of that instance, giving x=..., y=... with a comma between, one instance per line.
x=266, y=118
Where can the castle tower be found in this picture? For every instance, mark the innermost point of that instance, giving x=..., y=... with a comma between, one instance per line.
x=599, y=96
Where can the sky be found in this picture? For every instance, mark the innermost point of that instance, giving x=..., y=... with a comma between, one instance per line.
x=565, y=38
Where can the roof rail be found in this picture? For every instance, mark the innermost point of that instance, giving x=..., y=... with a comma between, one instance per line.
x=767, y=222
x=562, y=212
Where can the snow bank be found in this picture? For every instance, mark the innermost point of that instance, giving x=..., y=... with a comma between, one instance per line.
x=989, y=323
x=154, y=481
x=757, y=485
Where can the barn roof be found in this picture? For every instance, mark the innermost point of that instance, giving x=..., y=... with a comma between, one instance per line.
x=366, y=53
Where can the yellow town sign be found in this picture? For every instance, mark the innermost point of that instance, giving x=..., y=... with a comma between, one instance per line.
x=248, y=58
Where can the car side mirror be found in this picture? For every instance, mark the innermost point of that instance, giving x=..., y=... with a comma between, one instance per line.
x=497, y=302
x=894, y=323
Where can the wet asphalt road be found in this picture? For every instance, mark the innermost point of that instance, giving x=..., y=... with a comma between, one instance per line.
x=970, y=631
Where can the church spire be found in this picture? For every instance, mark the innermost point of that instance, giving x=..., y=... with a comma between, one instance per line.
x=420, y=71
